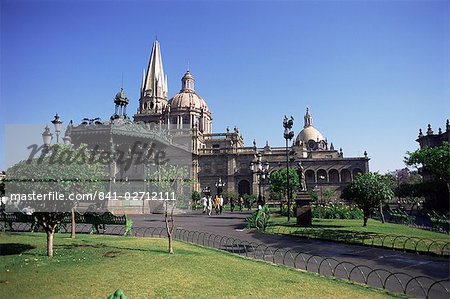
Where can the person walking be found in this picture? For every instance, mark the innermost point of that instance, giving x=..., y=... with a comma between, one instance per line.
x=204, y=203
x=220, y=204
x=209, y=205
x=217, y=204
x=241, y=203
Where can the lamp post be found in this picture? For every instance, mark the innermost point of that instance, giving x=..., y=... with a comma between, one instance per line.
x=262, y=170
x=47, y=137
x=57, y=123
x=219, y=186
x=206, y=191
x=288, y=135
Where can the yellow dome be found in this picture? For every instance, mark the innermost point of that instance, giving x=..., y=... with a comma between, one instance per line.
x=309, y=133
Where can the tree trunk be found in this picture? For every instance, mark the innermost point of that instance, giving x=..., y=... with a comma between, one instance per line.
x=50, y=243
x=381, y=212
x=72, y=235
x=170, y=244
x=169, y=228
x=366, y=217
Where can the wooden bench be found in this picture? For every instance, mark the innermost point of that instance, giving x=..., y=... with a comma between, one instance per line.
x=98, y=221
x=17, y=217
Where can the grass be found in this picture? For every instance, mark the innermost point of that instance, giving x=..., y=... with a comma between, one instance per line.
x=345, y=229
x=94, y=266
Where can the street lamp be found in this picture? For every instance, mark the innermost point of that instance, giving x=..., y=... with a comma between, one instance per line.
x=262, y=170
x=47, y=136
x=57, y=123
x=206, y=191
x=219, y=186
x=288, y=135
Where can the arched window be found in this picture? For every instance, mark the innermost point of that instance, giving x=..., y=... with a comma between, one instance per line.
x=322, y=176
x=333, y=174
x=346, y=176
x=310, y=176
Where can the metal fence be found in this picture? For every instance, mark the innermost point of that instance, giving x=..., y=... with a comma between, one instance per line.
x=397, y=282
x=388, y=241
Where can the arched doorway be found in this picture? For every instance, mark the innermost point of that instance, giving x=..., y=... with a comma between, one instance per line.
x=243, y=187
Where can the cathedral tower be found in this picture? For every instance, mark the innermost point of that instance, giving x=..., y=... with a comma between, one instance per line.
x=153, y=93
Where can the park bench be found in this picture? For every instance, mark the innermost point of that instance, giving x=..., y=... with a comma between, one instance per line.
x=98, y=221
x=9, y=218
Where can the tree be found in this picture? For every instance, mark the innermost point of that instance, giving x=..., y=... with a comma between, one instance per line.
x=61, y=169
x=368, y=191
x=196, y=196
x=170, y=178
x=229, y=194
x=278, y=180
x=434, y=161
x=405, y=184
x=249, y=200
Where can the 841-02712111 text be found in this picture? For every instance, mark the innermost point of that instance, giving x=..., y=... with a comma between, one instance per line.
x=144, y=195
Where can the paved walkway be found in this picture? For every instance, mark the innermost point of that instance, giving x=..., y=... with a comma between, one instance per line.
x=233, y=225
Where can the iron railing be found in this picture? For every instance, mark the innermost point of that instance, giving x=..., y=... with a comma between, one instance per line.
x=397, y=282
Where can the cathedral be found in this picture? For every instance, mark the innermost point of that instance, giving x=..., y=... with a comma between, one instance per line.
x=223, y=156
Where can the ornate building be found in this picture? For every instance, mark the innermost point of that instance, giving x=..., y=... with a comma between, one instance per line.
x=224, y=155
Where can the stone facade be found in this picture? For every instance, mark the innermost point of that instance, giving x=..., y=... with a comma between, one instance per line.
x=224, y=155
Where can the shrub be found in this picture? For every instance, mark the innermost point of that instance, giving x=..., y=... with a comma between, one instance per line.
x=284, y=209
x=249, y=200
x=259, y=219
x=336, y=211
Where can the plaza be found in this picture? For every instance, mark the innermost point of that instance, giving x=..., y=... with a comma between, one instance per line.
x=243, y=149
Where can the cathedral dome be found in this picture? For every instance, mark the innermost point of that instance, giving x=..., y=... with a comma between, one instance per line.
x=186, y=99
x=309, y=133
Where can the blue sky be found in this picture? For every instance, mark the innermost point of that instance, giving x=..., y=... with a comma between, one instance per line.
x=372, y=72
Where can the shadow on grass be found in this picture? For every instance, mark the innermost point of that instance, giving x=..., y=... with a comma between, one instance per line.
x=116, y=250
x=312, y=226
x=14, y=248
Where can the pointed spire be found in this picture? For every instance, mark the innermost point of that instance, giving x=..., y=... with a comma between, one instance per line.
x=308, y=118
x=142, y=82
x=332, y=146
x=155, y=84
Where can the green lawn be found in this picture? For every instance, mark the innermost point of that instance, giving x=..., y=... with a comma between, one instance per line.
x=348, y=229
x=94, y=266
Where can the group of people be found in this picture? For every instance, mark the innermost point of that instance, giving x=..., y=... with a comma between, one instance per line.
x=217, y=203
